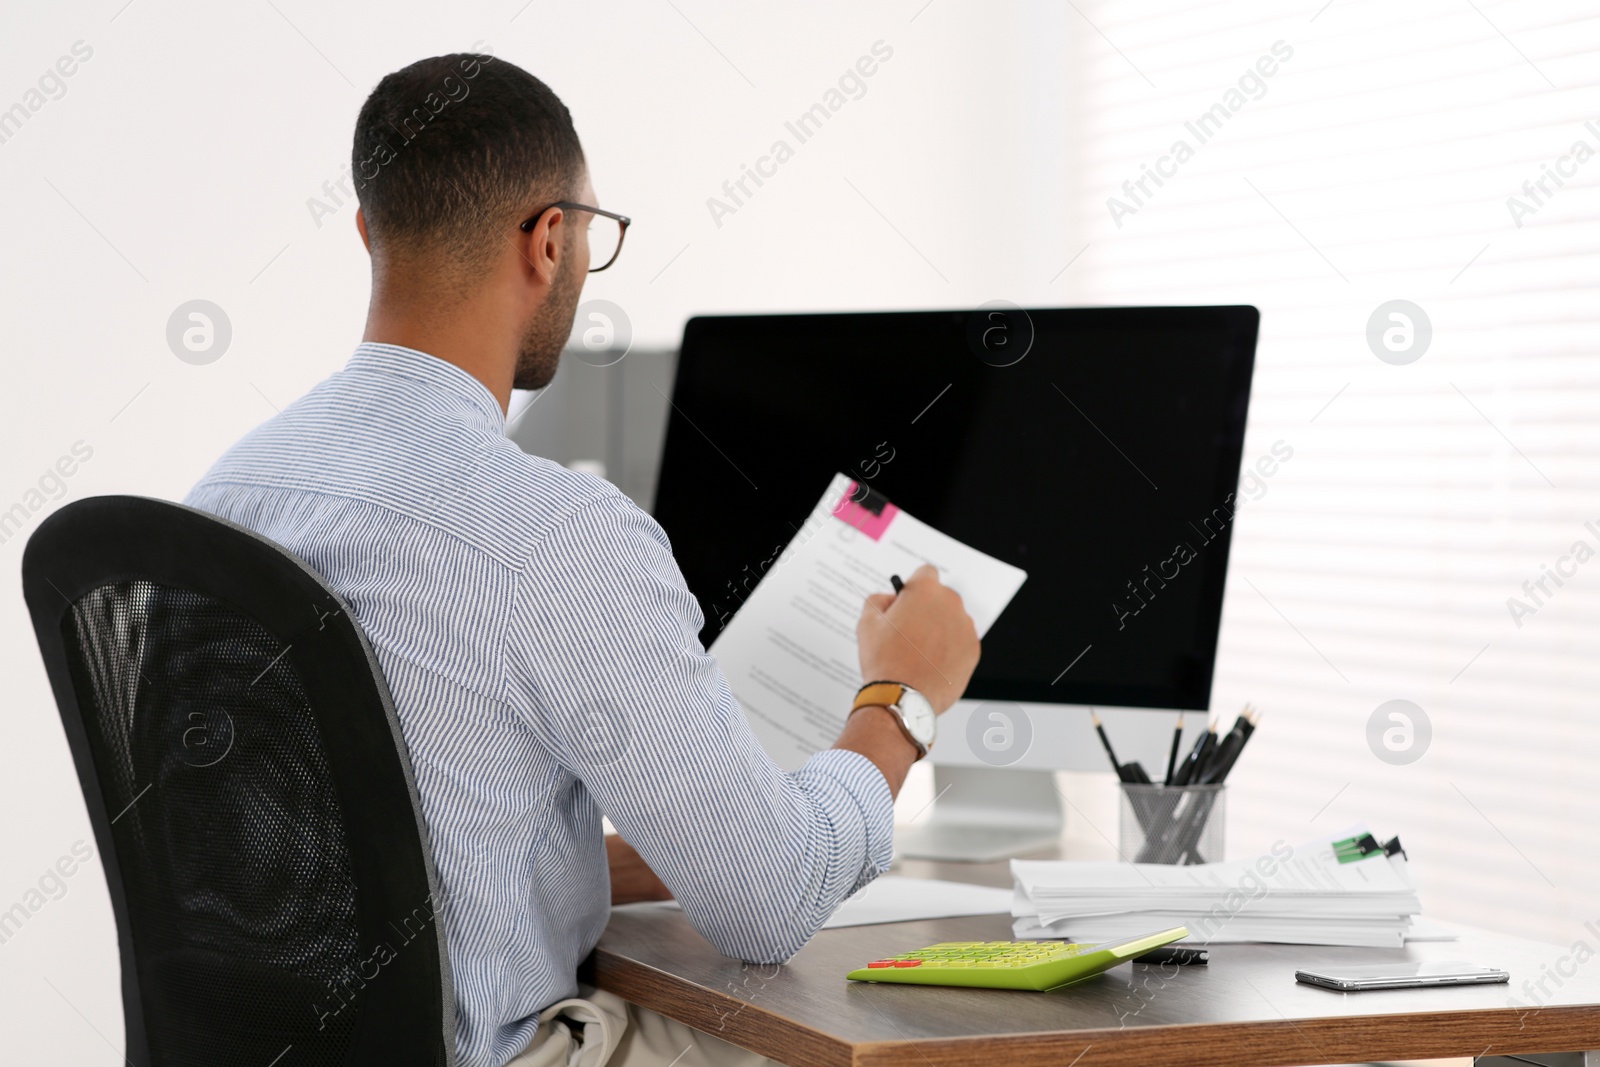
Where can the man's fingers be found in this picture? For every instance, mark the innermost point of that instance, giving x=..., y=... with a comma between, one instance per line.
x=924, y=573
x=879, y=602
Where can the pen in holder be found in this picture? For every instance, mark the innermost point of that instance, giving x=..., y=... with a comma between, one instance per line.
x=1177, y=824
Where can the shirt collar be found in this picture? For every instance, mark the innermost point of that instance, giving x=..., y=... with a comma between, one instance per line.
x=441, y=376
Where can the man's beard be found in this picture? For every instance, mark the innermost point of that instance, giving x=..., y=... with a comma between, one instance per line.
x=547, y=334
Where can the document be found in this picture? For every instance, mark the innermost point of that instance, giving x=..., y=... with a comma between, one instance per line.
x=894, y=899
x=789, y=654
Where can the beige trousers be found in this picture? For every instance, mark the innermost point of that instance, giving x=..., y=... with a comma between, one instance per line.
x=598, y=1029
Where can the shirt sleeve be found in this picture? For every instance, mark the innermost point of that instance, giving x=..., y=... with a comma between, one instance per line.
x=606, y=663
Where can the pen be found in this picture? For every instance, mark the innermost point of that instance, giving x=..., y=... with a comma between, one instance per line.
x=1100, y=729
x=1169, y=954
x=1172, y=757
x=1186, y=765
x=1208, y=758
x=1188, y=773
x=894, y=580
x=1228, y=753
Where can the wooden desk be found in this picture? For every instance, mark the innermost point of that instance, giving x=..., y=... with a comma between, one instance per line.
x=1243, y=1009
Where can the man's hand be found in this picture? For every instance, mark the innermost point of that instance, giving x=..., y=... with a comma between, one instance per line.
x=631, y=878
x=923, y=638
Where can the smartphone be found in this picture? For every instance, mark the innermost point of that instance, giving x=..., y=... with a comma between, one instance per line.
x=1401, y=976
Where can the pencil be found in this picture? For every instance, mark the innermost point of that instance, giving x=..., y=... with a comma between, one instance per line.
x=1172, y=757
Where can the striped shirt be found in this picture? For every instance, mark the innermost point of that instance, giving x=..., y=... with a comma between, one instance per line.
x=542, y=650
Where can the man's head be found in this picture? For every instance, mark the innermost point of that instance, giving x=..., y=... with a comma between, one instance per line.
x=450, y=155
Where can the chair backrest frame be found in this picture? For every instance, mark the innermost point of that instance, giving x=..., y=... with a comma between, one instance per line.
x=409, y=1016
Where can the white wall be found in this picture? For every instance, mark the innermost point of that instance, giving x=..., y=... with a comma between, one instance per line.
x=178, y=165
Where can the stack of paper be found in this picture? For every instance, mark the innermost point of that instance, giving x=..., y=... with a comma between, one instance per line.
x=1300, y=896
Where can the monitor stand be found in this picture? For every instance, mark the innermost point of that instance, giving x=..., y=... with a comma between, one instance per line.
x=981, y=814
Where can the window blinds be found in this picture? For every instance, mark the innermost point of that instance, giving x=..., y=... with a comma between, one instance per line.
x=1340, y=157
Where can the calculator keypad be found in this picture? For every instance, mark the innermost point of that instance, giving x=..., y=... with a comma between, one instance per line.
x=961, y=955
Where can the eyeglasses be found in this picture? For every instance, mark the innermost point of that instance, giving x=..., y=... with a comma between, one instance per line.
x=606, y=231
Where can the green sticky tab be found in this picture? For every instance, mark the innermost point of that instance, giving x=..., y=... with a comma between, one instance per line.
x=1352, y=849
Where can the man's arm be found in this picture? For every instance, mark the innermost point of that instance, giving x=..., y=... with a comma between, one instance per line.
x=902, y=636
x=606, y=668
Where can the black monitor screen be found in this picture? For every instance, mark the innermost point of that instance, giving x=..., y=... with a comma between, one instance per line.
x=1103, y=462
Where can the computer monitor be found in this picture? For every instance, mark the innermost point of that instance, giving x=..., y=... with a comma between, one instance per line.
x=1096, y=448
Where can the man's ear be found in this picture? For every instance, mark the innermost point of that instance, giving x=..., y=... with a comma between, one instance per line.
x=543, y=248
x=361, y=228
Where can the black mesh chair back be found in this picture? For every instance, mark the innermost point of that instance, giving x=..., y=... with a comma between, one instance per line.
x=250, y=792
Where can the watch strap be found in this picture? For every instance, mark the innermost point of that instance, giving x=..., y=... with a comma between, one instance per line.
x=887, y=695
x=879, y=695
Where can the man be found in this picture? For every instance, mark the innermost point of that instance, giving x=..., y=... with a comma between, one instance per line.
x=533, y=628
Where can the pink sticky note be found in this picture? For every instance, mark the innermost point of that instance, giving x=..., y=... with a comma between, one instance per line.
x=862, y=518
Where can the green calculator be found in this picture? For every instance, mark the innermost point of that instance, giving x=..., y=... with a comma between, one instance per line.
x=1036, y=965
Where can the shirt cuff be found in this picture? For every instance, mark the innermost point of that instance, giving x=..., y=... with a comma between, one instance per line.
x=859, y=779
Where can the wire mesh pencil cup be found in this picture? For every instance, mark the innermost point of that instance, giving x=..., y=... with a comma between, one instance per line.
x=1178, y=824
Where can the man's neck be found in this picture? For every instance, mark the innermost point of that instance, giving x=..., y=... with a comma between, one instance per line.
x=465, y=335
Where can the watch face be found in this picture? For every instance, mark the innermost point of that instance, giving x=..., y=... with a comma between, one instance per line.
x=919, y=716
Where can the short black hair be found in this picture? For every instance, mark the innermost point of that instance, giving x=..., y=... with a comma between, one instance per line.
x=448, y=149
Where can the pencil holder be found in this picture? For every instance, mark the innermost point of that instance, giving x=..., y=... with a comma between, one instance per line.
x=1172, y=824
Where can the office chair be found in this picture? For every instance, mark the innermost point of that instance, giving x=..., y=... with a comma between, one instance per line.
x=250, y=793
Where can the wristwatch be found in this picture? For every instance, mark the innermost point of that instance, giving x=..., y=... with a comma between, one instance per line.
x=915, y=715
